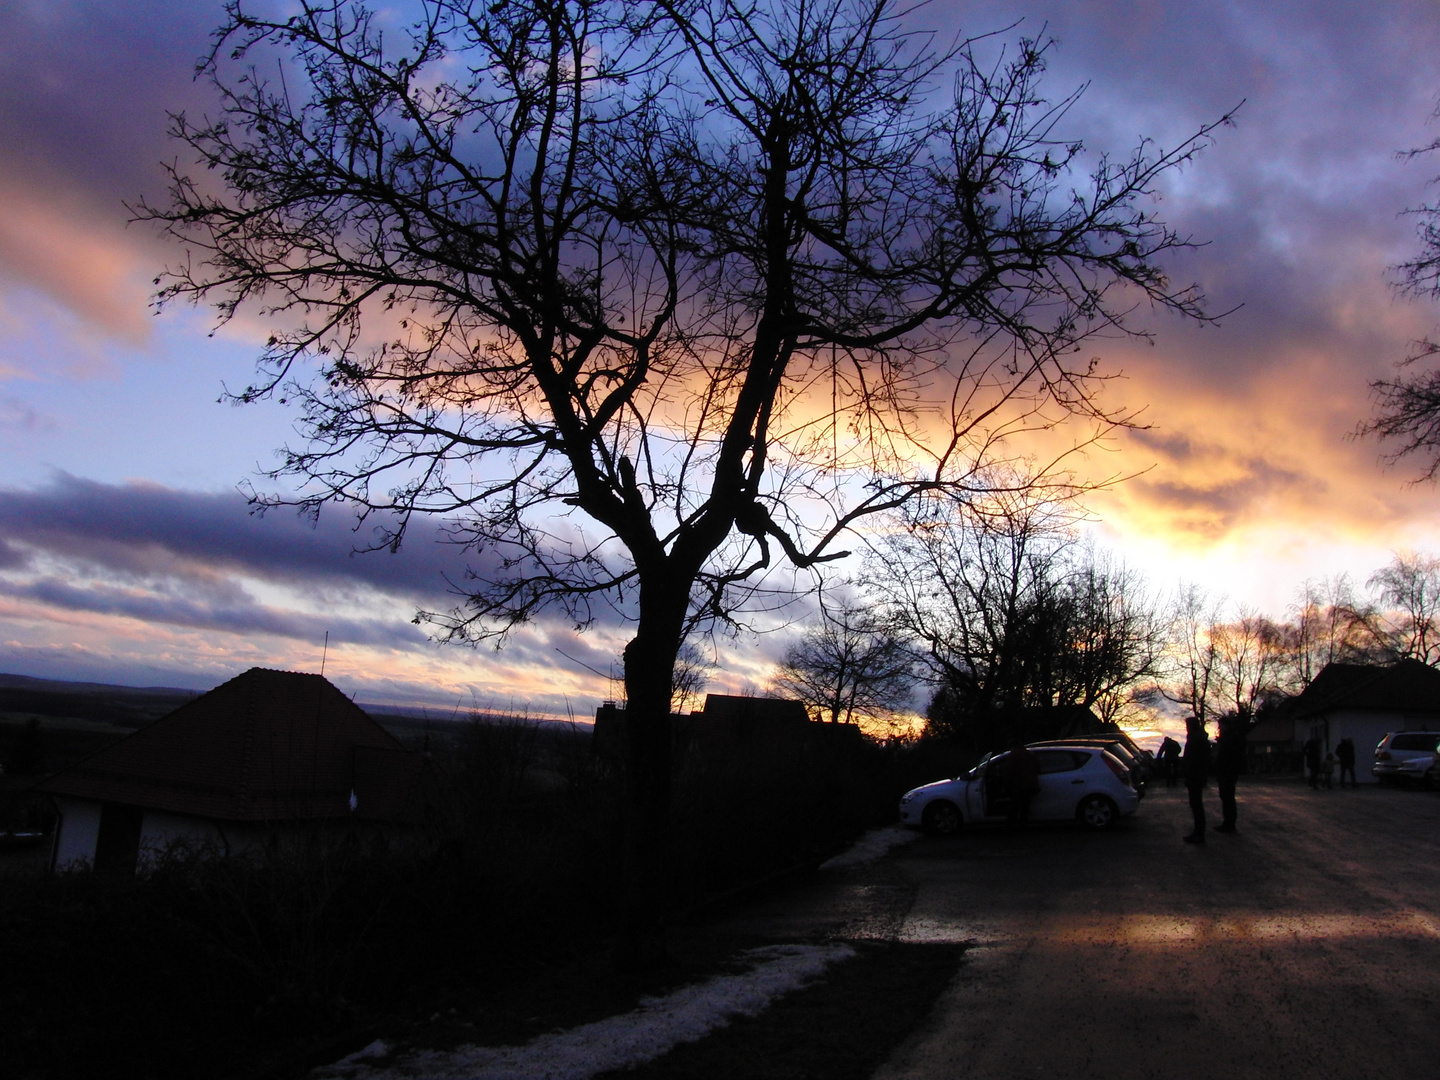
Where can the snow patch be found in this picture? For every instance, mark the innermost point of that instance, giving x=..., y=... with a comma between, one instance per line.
x=620, y=1042
x=871, y=846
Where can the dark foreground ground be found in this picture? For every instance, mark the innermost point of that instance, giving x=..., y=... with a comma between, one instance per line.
x=1306, y=946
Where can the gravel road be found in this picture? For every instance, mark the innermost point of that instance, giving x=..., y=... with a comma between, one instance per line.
x=1308, y=945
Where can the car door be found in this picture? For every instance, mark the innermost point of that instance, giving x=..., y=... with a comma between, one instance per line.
x=1063, y=784
x=989, y=794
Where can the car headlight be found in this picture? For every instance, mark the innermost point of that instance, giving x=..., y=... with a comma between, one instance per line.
x=907, y=797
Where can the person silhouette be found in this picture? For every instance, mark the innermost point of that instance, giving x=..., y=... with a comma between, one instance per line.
x=1024, y=783
x=1195, y=764
x=1169, y=755
x=1345, y=755
x=1312, y=760
x=1229, y=764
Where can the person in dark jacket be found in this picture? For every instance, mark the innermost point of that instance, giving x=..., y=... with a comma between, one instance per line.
x=1229, y=764
x=1169, y=756
x=1345, y=754
x=1024, y=783
x=1195, y=765
x=1312, y=760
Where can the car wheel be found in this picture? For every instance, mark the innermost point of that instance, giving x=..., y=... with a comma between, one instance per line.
x=943, y=818
x=1097, y=812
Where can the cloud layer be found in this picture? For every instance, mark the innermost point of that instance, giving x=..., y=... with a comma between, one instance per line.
x=124, y=560
x=1245, y=478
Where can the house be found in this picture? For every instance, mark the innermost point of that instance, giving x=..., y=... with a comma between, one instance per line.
x=265, y=757
x=731, y=729
x=1362, y=702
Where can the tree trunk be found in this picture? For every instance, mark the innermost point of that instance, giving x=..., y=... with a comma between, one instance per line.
x=645, y=892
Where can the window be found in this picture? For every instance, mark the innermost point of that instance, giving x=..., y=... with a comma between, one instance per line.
x=1058, y=761
x=1414, y=740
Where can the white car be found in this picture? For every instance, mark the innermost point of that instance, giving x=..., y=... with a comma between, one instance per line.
x=1421, y=771
x=1077, y=783
x=1398, y=747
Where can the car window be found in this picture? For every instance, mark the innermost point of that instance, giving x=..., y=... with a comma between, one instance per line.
x=1413, y=740
x=1057, y=761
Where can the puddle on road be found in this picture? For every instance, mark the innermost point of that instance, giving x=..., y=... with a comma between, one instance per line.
x=1105, y=930
x=1293, y=926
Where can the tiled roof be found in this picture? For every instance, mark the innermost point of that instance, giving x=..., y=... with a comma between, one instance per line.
x=732, y=707
x=265, y=746
x=1407, y=686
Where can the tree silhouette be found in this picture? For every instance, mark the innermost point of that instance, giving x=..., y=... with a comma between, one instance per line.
x=1330, y=624
x=1407, y=407
x=848, y=666
x=1409, y=585
x=649, y=298
x=1009, y=611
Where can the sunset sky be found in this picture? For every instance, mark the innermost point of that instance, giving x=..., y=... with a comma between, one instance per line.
x=127, y=553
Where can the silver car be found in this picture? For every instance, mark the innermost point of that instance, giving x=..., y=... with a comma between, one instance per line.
x=1400, y=746
x=1077, y=783
x=1422, y=771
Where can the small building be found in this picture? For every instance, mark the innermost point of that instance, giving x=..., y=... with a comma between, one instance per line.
x=731, y=729
x=1363, y=702
x=266, y=757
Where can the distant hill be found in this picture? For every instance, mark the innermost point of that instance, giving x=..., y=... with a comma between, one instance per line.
x=123, y=706
x=136, y=706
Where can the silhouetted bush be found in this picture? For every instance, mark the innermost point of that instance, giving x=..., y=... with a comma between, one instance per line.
x=204, y=962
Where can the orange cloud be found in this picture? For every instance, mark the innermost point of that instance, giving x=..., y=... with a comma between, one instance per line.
x=58, y=244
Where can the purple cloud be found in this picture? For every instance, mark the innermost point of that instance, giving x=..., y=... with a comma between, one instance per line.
x=142, y=529
x=190, y=559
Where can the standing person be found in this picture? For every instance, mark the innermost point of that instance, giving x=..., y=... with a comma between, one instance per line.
x=1345, y=755
x=1327, y=770
x=1229, y=764
x=1312, y=760
x=1169, y=756
x=1195, y=764
x=1024, y=783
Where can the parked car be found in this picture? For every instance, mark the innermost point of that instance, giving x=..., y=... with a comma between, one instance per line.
x=1122, y=747
x=1400, y=746
x=1420, y=771
x=1087, y=784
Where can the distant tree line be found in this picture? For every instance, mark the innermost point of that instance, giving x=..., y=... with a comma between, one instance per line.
x=994, y=608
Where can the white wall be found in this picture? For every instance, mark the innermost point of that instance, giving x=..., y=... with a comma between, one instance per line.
x=77, y=833
x=1365, y=728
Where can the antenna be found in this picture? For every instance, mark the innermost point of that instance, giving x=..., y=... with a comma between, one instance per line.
x=324, y=653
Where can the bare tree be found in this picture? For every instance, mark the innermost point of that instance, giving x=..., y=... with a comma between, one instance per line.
x=1410, y=588
x=1407, y=407
x=648, y=297
x=1109, y=637
x=848, y=666
x=1009, y=611
x=1194, y=678
x=1330, y=624
x=691, y=676
x=1250, y=654
x=960, y=583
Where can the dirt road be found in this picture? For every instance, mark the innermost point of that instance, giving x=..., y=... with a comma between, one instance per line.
x=1308, y=945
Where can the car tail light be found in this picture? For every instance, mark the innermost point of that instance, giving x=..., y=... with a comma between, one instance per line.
x=1117, y=767
x=1382, y=755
